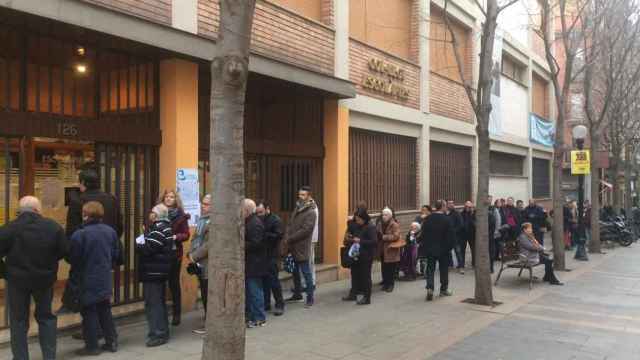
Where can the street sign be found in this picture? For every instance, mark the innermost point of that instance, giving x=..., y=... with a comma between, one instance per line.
x=580, y=162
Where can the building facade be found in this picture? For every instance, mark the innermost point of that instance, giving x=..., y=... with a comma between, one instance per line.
x=359, y=99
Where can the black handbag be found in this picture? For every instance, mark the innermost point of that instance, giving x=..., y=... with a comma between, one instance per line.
x=346, y=261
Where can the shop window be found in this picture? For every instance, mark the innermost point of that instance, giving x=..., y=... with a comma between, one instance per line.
x=382, y=170
x=450, y=172
x=506, y=164
x=541, y=178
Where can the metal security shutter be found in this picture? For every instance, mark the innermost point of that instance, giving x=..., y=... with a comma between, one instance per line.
x=506, y=164
x=450, y=172
x=382, y=170
x=541, y=178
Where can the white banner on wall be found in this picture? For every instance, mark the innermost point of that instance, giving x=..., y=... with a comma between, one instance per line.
x=189, y=189
x=495, y=120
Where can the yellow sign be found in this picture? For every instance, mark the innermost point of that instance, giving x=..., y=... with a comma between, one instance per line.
x=389, y=82
x=580, y=162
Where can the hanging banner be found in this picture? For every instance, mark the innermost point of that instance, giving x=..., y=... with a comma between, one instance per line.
x=541, y=131
x=188, y=187
x=580, y=162
x=495, y=118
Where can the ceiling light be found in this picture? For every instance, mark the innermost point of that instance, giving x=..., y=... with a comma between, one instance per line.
x=81, y=68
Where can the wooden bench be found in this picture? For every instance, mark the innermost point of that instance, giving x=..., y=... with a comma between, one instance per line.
x=511, y=259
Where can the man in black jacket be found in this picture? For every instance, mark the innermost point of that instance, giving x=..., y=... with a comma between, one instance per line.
x=256, y=264
x=33, y=246
x=436, y=241
x=273, y=233
x=458, y=232
x=534, y=214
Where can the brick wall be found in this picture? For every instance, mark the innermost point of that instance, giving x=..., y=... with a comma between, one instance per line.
x=414, y=39
x=359, y=56
x=154, y=10
x=279, y=34
x=448, y=98
x=327, y=12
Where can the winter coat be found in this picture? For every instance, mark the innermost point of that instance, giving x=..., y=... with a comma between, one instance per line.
x=495, y=222
x=180, y=228
x=368, y=239
x=468, y=224
x=33, y=245
x=536, y=216
x=156, y=254
x=112, y=216
x=437, y=236
x=390, y=241
x=528, y=250
x=456, y=220
x=300, y=231
x=94, y=248
x=273, y=233
x=200, y=245
x=256, y=258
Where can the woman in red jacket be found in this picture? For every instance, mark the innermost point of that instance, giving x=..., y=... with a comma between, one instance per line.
x=180, y=227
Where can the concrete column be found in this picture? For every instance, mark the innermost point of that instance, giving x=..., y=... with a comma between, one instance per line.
x=341, y=20
x=184, y=15
x=179, y=124
x=336, y=178
x=425, y=165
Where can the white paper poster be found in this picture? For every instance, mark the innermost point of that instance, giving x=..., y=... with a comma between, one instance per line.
x=189, y=189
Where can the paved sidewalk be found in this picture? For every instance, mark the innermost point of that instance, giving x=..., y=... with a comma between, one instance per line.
x=593, y=317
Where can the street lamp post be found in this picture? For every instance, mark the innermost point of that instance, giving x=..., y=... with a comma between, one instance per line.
x=579, y=133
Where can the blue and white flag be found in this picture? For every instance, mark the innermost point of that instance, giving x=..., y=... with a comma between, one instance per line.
x=541, y=131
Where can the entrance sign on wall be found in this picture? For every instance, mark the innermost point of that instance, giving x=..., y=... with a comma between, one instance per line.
x=189, y=189
x=580, y=162
x=385, y=78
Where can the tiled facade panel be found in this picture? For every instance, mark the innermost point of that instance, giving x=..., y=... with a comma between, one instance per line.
x=359, y=56
x=155, y=10
x=279, y=34
x=448, y=98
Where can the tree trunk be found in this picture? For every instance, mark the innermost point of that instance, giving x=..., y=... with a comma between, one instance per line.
x=483, y=286
x=613, y=171
x=229, y=73
x=627, y=180
x=595, y=245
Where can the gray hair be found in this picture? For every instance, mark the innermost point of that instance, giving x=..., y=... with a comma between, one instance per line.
x=30, y=204
x=248, y=207
x=417, y=224
x=161, y=211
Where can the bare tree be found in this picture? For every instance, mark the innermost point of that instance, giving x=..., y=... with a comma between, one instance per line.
x=609, y=60
x=480, y=100
x=229, y=72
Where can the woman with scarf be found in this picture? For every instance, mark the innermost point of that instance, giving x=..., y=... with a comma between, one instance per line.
x=180, y=227
x=389, y=237
x=361, y=231
x=533, y=252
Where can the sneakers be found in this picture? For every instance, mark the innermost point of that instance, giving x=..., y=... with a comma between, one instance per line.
x=156, y=342
x=446, y=292
x=255, y=324
x=201, y=331
x=295, y=298
x=429, y=295
x=364, y=301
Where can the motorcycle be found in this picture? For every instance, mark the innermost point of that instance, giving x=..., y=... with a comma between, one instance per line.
x=616, y=230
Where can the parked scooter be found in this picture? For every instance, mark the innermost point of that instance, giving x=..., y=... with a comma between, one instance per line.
x=616, y=230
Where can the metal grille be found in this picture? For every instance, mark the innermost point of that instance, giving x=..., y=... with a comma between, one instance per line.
x=506, y=164
x=541, y=177
x=450, y=172
x=382, y=170
x=130, y=173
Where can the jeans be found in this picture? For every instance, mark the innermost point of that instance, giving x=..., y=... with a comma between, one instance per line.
x=155, y=308
x=204, y=289
x=361, y=278
x=304, y=268
x=19, y=302
x=95, y=318
x=461, y=251
x=254, y=303
x=389, y=274
x=271, y=284
x=312, y=264
x=174, y=286
x=443, y=264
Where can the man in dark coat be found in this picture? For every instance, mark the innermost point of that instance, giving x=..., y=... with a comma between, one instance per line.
x=437, y=240
x=94, y=247
x=298, y=239
x=468, y=215
x=458, y=230
x=534, y=214
x=273, y=236
x=33, y=246
x=89, y=191
x=256, y=264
